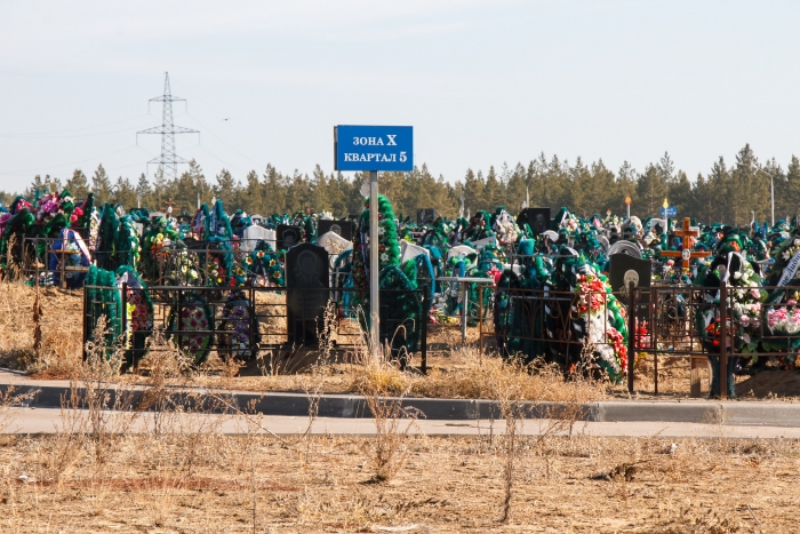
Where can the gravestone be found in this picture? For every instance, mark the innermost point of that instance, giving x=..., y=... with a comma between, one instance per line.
x=409, y=251
x=537, y=218
x=308, y=291
x=334, y=244
x=604, y=243
x=253, y=234
x=342, y=227
x=461, y=251
x=288, y=236
x=626, y=247
x=625, y=269
x=480, y=244
x=426, y=216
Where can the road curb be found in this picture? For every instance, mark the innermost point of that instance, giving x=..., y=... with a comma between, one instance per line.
x=355, y=406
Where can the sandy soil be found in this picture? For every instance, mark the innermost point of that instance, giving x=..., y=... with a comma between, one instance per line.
x=259, y=484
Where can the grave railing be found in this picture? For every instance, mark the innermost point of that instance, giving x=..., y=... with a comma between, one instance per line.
x=728, y=322
x=665, y=321
x=245, y=323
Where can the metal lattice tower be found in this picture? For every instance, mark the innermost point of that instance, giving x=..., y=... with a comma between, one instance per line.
x=168, y=162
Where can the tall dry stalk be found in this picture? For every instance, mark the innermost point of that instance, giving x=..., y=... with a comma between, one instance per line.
x=168, y=367
x=508, y=395
x=393, y=421
x=107, y=404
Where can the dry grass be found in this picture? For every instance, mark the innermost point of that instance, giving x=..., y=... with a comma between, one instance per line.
x=449, y=485
x=470, y=376
x=455, y=372
x=60, y=324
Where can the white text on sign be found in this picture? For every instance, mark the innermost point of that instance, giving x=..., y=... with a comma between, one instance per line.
x=375, y=158
x=374, y=141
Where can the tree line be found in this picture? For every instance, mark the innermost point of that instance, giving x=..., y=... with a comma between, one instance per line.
x=730, y=192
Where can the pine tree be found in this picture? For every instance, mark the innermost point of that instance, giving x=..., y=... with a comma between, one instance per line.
x=101, y=186
x=750, y=188
x=580, y=201
x=274, y=191
x=162, y=189
x=555, y=183
x=78, y=185
x=320, y=190
x=516, y=190
x=718, y=186
x=792, y=194
x=651, y=191
x=143, y=191
x=491, y=192
x=703, y=202
x=666, y=169
x=225, y=189
x=124, y=193
x=604, y=191
x=473, y=192
x=680, y=195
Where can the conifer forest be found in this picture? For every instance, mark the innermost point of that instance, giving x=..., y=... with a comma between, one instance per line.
x=733, y=189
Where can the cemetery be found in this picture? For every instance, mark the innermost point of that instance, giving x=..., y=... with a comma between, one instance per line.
x=400, y=267
x=603, y=298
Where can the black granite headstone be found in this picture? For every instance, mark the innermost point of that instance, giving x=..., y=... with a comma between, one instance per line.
x=342, y=227
x=626, y=247
x=426, y=216
x=308, y=291
x=537, y=218
x=288, y=236
x=623, y=270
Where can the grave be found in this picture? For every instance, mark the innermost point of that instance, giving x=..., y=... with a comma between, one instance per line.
x=628, y=248
x=342, y=227
x=288, y=236
x=480, y=244
x=409, y=251
x=308, y=291
x=625, y=269
x=537, y=218
x=426, y=216
x=255, y=233
x=335, y=244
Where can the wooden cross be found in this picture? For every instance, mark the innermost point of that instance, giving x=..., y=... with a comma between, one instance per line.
x=687, y=253
x=169, y=203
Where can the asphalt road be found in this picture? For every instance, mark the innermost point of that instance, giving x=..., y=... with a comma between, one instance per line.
x=50, y=420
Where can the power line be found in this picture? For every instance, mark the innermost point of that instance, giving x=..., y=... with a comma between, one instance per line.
x=228, y=165
x=74, y=129
x=220, y=139
x=126, y=130
x=169, y=160
x=39, y=169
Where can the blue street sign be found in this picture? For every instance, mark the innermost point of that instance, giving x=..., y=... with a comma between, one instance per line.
x=671, y=211
x=373, y=148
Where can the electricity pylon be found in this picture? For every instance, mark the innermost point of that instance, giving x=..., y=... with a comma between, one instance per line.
x=168, y=162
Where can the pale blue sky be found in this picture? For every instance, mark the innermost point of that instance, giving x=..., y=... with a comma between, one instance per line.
x=482, y=82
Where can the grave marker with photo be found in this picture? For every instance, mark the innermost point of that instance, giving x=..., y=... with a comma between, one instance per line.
x=307, y=283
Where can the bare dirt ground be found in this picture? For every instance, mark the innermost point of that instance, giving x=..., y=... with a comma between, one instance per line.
x=213, y=484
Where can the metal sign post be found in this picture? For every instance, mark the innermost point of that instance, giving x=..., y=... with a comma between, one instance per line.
x=373, y=149
x=374, y=266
